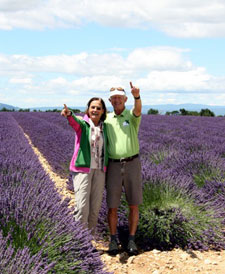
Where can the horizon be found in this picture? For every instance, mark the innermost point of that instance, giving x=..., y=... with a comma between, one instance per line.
x=172, y=50
x=109, y=105
x=162, y=108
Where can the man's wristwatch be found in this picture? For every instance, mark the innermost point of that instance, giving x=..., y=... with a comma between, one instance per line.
x=137, y=98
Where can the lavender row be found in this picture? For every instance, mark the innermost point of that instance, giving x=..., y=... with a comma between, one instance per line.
x=54, y=117
x=183, y=158
x=38, y=233
x=51, y=134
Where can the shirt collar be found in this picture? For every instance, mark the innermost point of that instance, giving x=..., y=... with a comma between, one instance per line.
x=122, y=113
x=86, y=118
x=89, y=121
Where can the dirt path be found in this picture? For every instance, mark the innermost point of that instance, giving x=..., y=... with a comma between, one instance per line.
x=175, y=261
x=155, y=261
x=60, y=183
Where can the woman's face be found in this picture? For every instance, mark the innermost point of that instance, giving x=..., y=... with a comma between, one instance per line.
x=95, y=111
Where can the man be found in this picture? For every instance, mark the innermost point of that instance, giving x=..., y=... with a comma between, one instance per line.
x=124, y=169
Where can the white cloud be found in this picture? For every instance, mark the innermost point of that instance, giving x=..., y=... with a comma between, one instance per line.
x=84, y=64
x=186, y=18
x=20, y=80
x=19, y=5
x=160, y=72
x=57, y=82
x=194, y=80
x=158, y=58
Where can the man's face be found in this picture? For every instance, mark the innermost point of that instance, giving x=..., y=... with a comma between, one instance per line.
x=118, y=102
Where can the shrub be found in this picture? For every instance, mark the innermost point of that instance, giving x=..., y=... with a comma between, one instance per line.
x=169, y=217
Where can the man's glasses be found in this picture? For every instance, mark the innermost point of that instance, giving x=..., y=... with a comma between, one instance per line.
x=120, y=89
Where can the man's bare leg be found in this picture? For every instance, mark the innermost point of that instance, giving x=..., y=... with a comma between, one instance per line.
x=133, y=219
x=112, y=220
x=133, y=223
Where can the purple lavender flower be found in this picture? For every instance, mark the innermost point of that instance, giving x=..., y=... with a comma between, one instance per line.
x=38, y=227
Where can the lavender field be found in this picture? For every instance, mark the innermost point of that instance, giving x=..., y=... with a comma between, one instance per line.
x=183, y=168
x=38, y=233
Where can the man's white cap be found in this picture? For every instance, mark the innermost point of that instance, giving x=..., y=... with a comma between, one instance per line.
x=117, y=91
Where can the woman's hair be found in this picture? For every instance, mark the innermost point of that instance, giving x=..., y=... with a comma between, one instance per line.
x=103, y=117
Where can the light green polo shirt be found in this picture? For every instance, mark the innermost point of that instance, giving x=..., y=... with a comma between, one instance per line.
x=122, y=134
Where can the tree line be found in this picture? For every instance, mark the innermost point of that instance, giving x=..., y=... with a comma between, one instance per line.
x=28, y=110
x=151, y=111
x=182, y=111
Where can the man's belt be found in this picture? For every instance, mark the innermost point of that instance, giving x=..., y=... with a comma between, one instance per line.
x=121, y=160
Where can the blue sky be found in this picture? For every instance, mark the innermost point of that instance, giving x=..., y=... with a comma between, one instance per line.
x=65, y=51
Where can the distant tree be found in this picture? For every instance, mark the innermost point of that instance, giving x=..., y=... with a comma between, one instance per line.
x=153, y=111
x=175, y=112
x=24, y=110
x=75, y=110
x=53, y=110
x=5, y=109
x=183, y=111
x=188, y=112
x=193, y=113
x=206, y=112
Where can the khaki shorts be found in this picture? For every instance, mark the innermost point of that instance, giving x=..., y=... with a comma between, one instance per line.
x=127, y=175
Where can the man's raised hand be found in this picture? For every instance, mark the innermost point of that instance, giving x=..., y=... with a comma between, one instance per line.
x=134, y=90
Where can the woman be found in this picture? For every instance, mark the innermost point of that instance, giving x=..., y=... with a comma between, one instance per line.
x=89, y=161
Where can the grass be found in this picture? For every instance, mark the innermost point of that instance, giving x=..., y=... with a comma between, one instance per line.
x=207, y=174
x=158, y=156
